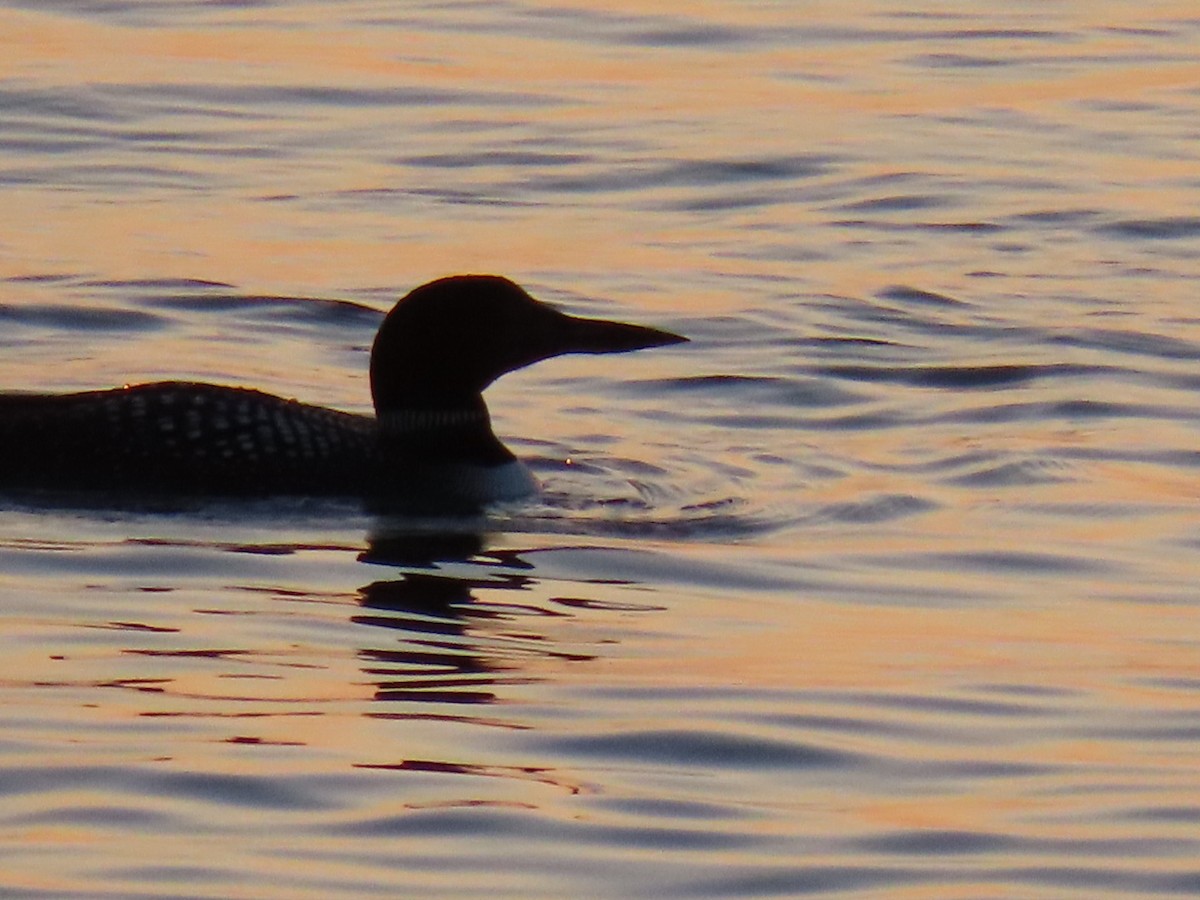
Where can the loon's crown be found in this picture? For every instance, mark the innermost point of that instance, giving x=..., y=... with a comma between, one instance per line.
x=447, y=340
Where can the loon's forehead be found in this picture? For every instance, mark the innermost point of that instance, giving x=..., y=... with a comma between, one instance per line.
x=461, y=308
x=469, y=285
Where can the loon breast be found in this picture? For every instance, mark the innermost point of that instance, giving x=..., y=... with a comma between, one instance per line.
x=431, y=440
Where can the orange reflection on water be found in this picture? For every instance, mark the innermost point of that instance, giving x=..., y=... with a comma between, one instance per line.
x=796, y=99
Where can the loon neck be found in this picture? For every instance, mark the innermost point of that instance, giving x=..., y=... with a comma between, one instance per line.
x=457, y=433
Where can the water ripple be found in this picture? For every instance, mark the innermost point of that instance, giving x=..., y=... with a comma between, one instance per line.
x=1168, y=228
x=702, y=749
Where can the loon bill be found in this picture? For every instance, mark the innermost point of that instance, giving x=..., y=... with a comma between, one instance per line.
x=431, y=439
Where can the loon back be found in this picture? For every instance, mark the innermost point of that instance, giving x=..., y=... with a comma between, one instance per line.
x=181, y=436
x=431, y=440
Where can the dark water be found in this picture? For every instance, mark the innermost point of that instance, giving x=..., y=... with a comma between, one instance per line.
x=883, y=586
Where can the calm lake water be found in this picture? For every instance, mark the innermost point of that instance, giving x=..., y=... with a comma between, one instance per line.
x=884, y=586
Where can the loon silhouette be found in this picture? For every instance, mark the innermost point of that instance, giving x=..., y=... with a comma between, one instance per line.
x=431, y=440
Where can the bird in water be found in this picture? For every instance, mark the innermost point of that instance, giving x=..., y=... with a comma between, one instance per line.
x=429, y=442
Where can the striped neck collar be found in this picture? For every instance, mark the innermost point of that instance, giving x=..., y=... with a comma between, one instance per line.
x=401, y=422
x=460, y=434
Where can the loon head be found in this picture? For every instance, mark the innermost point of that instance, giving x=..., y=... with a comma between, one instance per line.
x=446, y=341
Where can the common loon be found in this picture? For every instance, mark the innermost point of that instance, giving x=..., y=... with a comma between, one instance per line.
x=431, y=439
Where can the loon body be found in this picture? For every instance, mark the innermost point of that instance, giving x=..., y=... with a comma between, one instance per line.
x=430, y=441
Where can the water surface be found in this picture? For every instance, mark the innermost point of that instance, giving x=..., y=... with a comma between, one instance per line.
x=883, y=586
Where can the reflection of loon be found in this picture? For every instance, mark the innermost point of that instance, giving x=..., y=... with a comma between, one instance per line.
x=454, y=634
x=431, y=439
